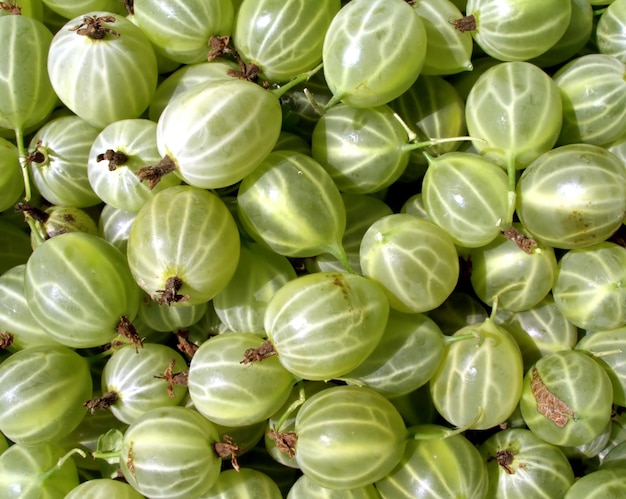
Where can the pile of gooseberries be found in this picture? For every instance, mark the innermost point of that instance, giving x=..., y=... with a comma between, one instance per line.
x=312, y=249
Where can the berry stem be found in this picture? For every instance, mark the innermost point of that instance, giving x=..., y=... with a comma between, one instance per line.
x=19, y=140
x=280, y=91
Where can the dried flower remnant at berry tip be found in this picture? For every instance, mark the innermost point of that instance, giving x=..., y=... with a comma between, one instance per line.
x=11, y=8
x=505, y=458
x=221, y=47
x=184, y=345
x=126, y=329
x=173, y=378
x=525, y=243
x=467, y=23
x=548, y=403
x=285, y=441
x=101, y=403
x=170, y=294
x=258, y=354
x=6, y=340
x=115, y=158
x=228, y=449
x=92, y=27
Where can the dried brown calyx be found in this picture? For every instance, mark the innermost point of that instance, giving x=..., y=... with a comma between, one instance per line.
x=36, y=156
x=467, y=23
x=101, y=403
x=6, y=340
x=258, y=354
x=525, y=243
x=115, y=158
x=170, y=293
x=222, y=47
x=184, y=345
x=173, y=378
x=548, y=404
x=11, y=7
x=93, y=28
x=154, y=173
x=505, y=458
x=126, y=329
x=285, y=441
x=228, y=449
x=33, y=212
x=130, y=6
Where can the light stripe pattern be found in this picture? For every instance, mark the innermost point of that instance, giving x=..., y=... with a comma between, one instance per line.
x=283, y=38
x=122, y=187
x=594, y=99
x=608, y=347
x=610, y=32
x=169, y=453
x=232, y=393
x=572, y=196
x=186, y=77
x=448, y=50
x=218, y=132
x=362, y=210
x=181, y=29
x=516, y=109
x=361, y=149
x=540, y=330
x=518, y=30
x=135, y=376
x=406, y=357
x=114, y=226
x=15, y=315
x=42, y=391
x=505, y=276
x=432, y=108
x=103, y=488
x=126, y=78
x=415, y=261
x=425, y=468
x=305, y=487
x=27, y=94
x=291, y=204
x=323, y=325
x=260, y=273
x=244, y=483
x=373, y=51
x=589, y=287
x=188, y=233
x=578, y=381
x=62, y=178
x=348, y=436
x=78, y=287
x=479, y=381
x=466, y=195
x=539, y=469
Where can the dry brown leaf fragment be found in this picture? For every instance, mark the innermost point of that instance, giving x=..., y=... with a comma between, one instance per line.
x=548, y=404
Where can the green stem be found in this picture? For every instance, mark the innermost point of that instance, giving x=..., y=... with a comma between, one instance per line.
x=279, y=92
x=604, y=353
x=91, y=359
x=440, y=432
x=114, y=454
x=339, y=253
x=36, y=230
x=473, y=335
x=21, y=150
x=411, y=146
x=511, y=172
x=294, y=405
x=46, y=474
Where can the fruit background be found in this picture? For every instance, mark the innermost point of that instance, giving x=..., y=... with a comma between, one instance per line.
x=312, y=249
